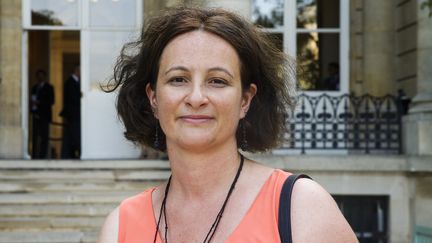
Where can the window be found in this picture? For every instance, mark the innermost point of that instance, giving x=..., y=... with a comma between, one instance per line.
x=54, y=12
x=109, y=13
x=318, y=44
x=269, y=14
x=313, y=31
x=359, y=210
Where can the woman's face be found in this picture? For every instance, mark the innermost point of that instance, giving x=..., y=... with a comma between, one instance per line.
x=198, y=98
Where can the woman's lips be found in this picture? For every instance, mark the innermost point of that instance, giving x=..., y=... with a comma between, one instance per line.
x=196, y=119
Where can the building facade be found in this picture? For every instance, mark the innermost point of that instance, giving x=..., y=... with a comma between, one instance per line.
x=342, y=47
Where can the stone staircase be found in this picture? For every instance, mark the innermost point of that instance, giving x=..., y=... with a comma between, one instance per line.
x=67, y=201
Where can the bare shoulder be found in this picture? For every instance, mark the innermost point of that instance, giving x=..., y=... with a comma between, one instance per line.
x=316, y=216
x=109, y=232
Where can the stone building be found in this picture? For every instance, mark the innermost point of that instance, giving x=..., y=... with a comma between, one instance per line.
x=373, y=47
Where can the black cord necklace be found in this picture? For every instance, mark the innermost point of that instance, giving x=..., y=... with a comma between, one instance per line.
x=215, y=224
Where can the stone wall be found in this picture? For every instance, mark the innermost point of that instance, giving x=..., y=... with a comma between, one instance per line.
x=10, y=80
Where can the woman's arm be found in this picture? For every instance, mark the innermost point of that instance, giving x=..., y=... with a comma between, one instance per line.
x=316, y=217
x=109, y=232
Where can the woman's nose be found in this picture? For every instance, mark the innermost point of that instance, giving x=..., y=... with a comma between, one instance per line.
x=197, y=95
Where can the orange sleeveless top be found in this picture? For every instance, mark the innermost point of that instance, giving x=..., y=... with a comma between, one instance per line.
x=137, y=222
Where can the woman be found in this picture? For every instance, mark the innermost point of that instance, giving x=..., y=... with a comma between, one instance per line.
x=203, y=83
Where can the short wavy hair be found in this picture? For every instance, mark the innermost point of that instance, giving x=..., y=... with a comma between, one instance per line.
x=261, y=63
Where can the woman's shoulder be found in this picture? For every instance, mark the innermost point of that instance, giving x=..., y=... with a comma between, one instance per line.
x=128, y=207
x=109, y=231
x=138, y=200
x=315, y=215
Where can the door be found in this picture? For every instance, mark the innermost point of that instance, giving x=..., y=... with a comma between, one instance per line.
x=108, y=26
x=103, y=26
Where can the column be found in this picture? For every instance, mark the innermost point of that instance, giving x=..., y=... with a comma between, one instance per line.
x=378, y=47
x=418, y=123
x=11, y=143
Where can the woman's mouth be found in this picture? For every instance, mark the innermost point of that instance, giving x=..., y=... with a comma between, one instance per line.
x=196, y=119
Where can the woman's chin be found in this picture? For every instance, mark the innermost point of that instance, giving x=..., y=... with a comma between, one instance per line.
x=192, y=142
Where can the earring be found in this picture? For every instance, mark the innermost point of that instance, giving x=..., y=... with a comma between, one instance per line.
x=156, y=140
x=244, y=144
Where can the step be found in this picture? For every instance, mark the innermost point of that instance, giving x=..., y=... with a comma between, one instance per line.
x=65, y=197
x=88, y=164
x=42, y=237
x=68, y=201
x=49, y=186
x=14, y=223
x=57, y=210
x=90, y=237
x=79, y=175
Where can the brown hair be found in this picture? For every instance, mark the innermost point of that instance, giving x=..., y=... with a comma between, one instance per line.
x=261, y=63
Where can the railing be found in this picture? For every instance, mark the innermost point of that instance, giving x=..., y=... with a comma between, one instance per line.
x=367, y=124
x=422, y=235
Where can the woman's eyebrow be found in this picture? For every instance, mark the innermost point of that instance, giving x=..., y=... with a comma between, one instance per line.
x=222, y=70
x=181, y=68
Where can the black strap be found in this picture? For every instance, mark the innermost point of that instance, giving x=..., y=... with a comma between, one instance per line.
x=285, y=207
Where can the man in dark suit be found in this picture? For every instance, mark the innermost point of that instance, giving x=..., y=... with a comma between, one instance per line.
x=332, y=81
x=42, y=99
x=71, y=113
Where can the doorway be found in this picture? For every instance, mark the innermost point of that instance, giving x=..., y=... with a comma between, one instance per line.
x=56, y=32
x=54, y=52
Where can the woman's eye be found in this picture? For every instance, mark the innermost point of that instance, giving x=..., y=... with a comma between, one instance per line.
x=218, y=82
x=177, y=80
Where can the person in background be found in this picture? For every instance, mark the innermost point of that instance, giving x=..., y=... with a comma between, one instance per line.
x=332, y=81
x=71, y=113
x=42, y=100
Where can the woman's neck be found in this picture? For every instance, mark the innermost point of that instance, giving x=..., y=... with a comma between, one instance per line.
x=198, y=176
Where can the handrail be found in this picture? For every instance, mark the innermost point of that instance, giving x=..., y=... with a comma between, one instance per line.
x=355, y=123
x=422, y=234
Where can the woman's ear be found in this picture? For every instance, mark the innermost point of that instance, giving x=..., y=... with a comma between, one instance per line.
x=151, y=95
x=247, y=99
